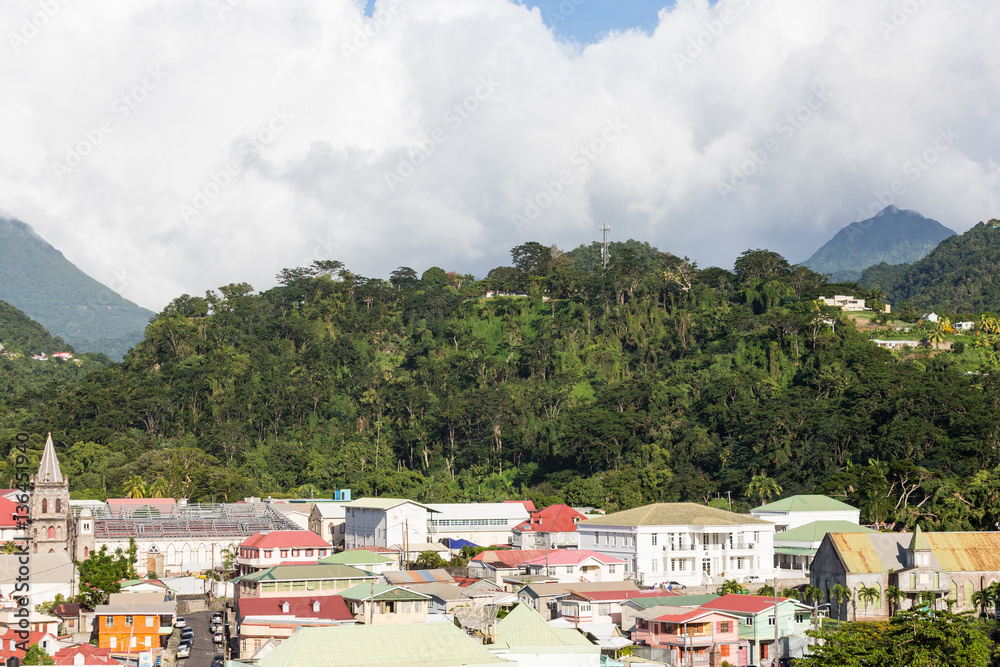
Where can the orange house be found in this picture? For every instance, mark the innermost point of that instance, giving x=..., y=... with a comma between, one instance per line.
x=131, y=624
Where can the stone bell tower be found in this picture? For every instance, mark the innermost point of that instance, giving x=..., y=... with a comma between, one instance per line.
x=50, y=516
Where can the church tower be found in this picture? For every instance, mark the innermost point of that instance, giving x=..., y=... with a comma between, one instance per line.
x=50, y=515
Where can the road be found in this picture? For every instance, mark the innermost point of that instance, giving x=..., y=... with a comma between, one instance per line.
x=203, y=649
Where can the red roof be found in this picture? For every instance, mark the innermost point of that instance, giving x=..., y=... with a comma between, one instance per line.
x=331, y=608
x=66, y=610
x=573, y=557
x=690, y=616
x=748, y=604
x=511, y=557
x=92, y=655
x=270, y=539
x=33, y=638
x=528, y=504
x=127, y=506
x=8, y=512
x=552, y=519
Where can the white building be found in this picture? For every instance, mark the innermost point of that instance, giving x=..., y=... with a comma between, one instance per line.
x=382, y=522
x=573, y=565
x=483, y=524
x=796, y=511
x=683, y=542
x=845, y=303
x=281, y=547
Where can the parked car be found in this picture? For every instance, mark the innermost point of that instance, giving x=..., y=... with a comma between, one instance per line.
x=218, y=638
x=752, y=579
x=184, y=651
x=180, y=622
x=675, y=585
x=219, y=660
x=187, y=641
x=187, y=632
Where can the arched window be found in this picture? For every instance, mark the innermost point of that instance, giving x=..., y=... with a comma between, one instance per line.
x=86, y=552
x=58, y=505
x=45, y=505
x=52, y=533
x=970, y=589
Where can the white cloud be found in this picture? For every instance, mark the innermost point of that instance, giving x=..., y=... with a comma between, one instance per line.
x=494, y=114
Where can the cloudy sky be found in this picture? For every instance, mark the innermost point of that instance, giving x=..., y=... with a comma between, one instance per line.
x=172, y=146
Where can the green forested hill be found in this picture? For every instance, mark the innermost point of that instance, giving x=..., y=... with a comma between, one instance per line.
x=39, y=280
x=654, y=381
x=892, y=236
x=959, y=275
x=20, y=334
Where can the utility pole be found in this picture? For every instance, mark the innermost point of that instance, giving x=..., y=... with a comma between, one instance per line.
x=605, y=253
x=777, y=653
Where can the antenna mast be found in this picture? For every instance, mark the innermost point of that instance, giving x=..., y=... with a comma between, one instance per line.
x=604, y=247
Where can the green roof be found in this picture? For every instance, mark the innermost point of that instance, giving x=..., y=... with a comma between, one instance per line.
x=795, y=551
x=674, y=600
x=383, y=593
x=524, y=630
x=357, y=557
x=919, y=541
x=805, y=504
x=416, y=645
x=305, y=572
x=817, y=530
x=673, y=514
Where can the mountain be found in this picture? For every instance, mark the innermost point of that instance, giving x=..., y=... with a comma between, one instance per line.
x=959, y=275
x=37, y=279
x=893, y=236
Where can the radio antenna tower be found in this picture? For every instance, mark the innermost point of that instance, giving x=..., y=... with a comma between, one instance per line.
x=605, y=254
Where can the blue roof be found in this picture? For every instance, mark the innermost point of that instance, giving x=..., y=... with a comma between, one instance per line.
x=457, y=544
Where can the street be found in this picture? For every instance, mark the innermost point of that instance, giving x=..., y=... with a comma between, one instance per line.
x=203, y=649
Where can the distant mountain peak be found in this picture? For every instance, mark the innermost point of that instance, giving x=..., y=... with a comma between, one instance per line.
x=893, y=236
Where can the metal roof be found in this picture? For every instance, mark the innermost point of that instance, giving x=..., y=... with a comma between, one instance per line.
x=384, y=504
x=815, y=531
x=805, y=503
x=950, y=552
x=673, y=514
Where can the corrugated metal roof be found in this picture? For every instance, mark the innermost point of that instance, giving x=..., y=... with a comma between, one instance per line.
x=950, y=552
x=419, y=576
x=805, y=503
x=857, y=552
x=814, y=532
x=966, y=552
x=524, y=628
x=673, y=514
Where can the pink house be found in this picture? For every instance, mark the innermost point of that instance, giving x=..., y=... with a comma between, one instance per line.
x=573, y=565
x=281, y=547
x=693, y=634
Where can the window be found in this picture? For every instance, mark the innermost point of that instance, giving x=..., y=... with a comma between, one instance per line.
x=770, y=620
x=748, y=620
x=656, y=539
x=936, y=580
x=611, y=569
x=113, y=641
x=309, y=552
x=725, y=650
x=109, y=621
x=149, y=641
x=724, y=626
x=132, y=642
x=58, y=505
x=149, y=621
x=128, y=621
x=800, y=618
x=267, y=553
x=652, y=567
x=45, y=506
x=295, y=553
x=913, y=581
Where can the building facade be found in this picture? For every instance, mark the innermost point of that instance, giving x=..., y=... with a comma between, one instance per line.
x=382, y=522
x=483, y=524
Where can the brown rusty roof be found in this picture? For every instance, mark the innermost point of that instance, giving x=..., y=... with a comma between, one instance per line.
x=857, y=552
x=966, y=552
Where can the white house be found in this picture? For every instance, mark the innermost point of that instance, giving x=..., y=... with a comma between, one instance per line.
x=50, y=575
x=796, y=511
x=572, y=565
x=382, y=522
x=483, y=524
x=280, y=547
x=683, y=542
x=327, y=521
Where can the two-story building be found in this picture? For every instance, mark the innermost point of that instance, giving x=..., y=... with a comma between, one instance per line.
x=133, y=622
x=551, y=528
x=483, y=524
x=796, y=511
x=300, y=581
x=327, y=520
x=572, y=565
x=684, y=542
x=382, y=522
x=757, y=618
x=280, y=547
x=276, y=619
x=691, y=635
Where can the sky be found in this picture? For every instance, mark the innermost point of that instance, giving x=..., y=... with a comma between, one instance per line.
x=174, y=146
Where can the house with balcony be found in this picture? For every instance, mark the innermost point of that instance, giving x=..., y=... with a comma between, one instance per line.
x=692, y=544
x=133, y=622
x=758, y=616
x=600, y=606
x=384, y=604
x=280, y=547
x=574, y=565
x=300, y=581
x=645, y=600
x=940, y=566
x=691, y=635
x=551, y=528
x=496, y=565
x=796, y=511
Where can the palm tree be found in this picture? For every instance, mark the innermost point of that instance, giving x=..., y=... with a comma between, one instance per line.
x=767, y=590
x=135, y=487
x=763, y=487
x=792, y=593
x=812, y=594
x=159, y=489
x=894, y=596
x=731, y=586
x=869, y=595
x=936, y=335
x=982, y=599
x=840, y=594
x=429, y=559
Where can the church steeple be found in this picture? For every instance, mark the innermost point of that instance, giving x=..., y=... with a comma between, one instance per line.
x=48, y=469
